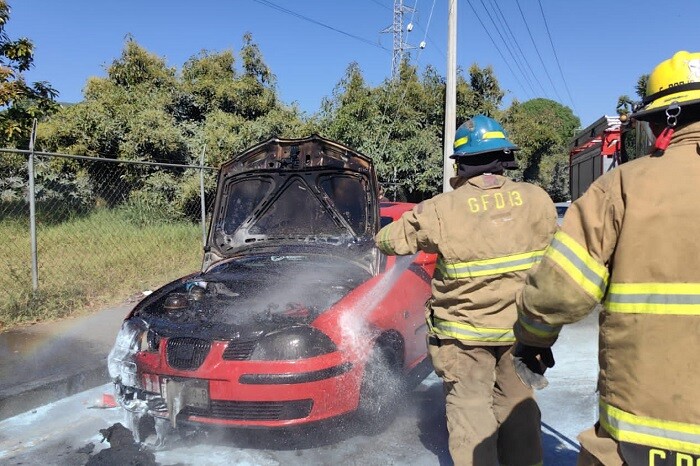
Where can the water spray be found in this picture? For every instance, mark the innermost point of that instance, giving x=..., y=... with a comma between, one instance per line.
x=354, y=330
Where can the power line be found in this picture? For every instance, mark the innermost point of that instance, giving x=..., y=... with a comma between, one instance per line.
x=566, y=86
x=402, y=101
x=498, y=30
x=380, y=4
x=544, y=67
x=498, y=49
x=509, y=32
x=318, y=23
x=413, y=13
x=430, y=17
x=427, y=36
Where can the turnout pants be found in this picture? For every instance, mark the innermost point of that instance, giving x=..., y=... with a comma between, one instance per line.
x=598, y=449
x=492, y=418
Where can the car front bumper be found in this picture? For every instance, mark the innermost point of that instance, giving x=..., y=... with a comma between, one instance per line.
x=244, y=393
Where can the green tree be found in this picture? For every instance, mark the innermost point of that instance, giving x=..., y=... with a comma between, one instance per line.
x=625, y=104
x=641, y=87
x=486, y=94
x=400, y=122
x=20, y=102
x=542, y=129
x=145, y=110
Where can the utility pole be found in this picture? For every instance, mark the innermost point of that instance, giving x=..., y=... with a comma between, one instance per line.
x=450, y=96
x=399, y=44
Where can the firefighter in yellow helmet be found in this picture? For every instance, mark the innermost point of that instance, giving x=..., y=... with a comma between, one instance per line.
x=487, y=234
x=632, y=242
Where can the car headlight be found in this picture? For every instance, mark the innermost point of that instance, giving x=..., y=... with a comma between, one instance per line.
x=120, y=361
x=293, y=343
x=149, y=341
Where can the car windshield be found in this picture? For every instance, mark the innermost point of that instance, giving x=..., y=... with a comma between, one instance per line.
x=244, y=196
x=297, y=211
x=297, y=208
x=349, y=196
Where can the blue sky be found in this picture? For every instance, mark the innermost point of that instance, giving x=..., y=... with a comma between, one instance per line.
x=602, y=46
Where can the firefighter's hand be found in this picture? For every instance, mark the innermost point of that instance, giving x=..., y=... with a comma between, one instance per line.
x=530, y=364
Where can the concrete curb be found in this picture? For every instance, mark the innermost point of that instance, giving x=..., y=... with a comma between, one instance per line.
x=31, y=395
x=46, y=362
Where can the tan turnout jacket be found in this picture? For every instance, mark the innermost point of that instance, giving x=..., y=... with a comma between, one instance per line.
x=487, y=234
x=633, y=242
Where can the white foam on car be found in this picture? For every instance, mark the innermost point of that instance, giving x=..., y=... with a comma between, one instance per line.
x=120, y=361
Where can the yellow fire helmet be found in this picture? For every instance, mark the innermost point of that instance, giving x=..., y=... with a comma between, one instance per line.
x=673, y=83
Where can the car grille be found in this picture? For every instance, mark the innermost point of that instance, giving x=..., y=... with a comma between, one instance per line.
x=187, y=353
x=239, y=350
x=254, y=410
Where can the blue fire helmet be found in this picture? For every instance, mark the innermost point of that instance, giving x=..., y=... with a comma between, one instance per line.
x=481, y=135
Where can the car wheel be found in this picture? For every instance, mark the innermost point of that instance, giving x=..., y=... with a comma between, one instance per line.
x=382, y=386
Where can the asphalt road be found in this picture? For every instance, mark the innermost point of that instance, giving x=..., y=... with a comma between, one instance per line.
x=66, y=432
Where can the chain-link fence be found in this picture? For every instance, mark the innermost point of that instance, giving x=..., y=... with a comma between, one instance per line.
x=87, y=231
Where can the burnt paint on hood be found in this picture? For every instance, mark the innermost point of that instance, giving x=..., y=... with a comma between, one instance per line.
x=293, y=191
x=250, y=296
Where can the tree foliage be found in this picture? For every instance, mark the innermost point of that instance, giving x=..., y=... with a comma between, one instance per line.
x=222, y=102
x=542, y=129
x=20, y=102
x=144, y=110
x=625, y=104
x=641, y=87
x=400, y=122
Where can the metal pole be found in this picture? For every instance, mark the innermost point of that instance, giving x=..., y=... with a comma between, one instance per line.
x=450, y=96
x=203, y=204
x=32, y=211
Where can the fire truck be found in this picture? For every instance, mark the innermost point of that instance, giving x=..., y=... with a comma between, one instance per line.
x=603, y=145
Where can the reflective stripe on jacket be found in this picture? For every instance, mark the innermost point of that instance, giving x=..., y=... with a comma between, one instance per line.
x=628, y=427
x=485, y=267
x=654, y=298
x=631, y=241
x=466, y=331
x=487, y=234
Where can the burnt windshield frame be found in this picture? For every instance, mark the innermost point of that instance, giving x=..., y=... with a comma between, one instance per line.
x=243, y=196
x=348, y=194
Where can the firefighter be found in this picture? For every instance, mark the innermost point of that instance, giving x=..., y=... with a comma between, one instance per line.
x=632, y=242
x=486, y=233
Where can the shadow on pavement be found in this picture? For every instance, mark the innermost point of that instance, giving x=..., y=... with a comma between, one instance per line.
x=558, y=450
x=431, y=423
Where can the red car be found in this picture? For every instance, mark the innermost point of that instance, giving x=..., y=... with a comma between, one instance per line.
x=295, y=317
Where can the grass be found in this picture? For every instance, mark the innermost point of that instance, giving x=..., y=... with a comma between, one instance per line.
x=89, y=262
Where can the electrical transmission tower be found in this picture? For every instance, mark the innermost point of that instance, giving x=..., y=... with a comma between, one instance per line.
x=397, y=29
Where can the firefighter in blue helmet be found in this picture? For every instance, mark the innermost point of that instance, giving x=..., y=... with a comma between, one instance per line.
x=487, y=234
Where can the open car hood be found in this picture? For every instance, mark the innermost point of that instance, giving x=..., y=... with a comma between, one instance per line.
x=306, y=192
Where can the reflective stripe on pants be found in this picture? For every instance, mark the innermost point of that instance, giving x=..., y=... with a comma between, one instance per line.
x=467, y=332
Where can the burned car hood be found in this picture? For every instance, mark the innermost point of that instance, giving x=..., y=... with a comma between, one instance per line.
x=293, y=191
x=249, y=296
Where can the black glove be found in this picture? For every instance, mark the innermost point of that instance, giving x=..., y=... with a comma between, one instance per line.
x=530, y=364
